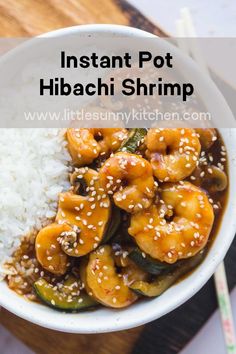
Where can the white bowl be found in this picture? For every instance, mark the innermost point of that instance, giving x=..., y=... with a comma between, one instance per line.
x=108, y=320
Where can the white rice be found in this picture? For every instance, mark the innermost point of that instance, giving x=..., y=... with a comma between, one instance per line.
x=34, y=169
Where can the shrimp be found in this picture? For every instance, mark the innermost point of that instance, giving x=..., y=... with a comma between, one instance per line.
x=99, y=274
x=128, y=177
x=173, y=153
x=87, y=209
x=48, y=250
x=177, y=227
x=207, y=137
x=85, y=145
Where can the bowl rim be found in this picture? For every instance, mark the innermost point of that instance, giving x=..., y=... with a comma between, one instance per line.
x=143, y=312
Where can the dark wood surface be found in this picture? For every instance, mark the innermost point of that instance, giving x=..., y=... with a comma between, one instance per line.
x=169, y=334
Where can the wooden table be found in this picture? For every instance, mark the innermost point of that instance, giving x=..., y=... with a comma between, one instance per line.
x=21, y=18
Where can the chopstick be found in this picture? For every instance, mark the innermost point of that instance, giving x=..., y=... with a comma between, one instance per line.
x=225, y=308
x=185, y=28
x=190, y=32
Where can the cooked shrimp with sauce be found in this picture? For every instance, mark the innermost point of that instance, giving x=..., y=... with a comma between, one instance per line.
x=177, y=227
x=173, y=153
x=129, y=178
x=85, y=145
x=141, y=212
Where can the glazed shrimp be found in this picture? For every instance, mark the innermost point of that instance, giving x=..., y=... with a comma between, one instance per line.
x=48, y=250
x=178, y=227
x=87, y=209
x=101, y=280
x=129, y=178
x=173, y=153
x=85, y=145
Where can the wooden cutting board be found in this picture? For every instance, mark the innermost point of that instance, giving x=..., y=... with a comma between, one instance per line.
x=45, y=341
x=23, y=18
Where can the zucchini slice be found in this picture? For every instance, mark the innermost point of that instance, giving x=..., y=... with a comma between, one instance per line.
x=164, y=281
x=149, y=264
x=115, y=221
x=134, y=140
x=68, y=298
x=102, y=281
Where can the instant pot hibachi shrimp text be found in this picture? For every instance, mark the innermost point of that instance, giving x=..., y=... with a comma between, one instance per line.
x=138, y=216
